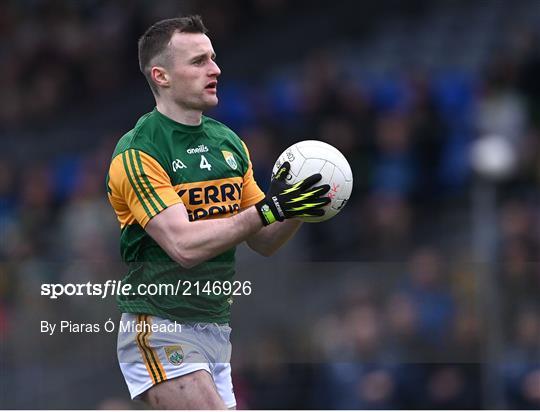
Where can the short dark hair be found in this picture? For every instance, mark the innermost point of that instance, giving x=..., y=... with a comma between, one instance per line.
x=154, y=41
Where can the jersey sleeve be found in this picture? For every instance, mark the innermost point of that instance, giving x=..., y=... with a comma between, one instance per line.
x=251, y=193
x=139, y=188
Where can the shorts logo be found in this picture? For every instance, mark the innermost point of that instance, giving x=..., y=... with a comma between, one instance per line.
x=229, y=158
x=175, y=354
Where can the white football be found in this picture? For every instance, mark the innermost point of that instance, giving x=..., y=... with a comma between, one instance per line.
x=312, y=156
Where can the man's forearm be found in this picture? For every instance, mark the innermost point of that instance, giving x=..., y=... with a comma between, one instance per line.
x=247, y=226
x=190, y=243
x=270, y=238
x=212, y=237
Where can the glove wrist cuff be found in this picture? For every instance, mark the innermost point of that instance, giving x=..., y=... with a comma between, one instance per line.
x=265, y=212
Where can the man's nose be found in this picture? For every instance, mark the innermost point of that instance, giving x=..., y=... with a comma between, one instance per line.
x=214, y=69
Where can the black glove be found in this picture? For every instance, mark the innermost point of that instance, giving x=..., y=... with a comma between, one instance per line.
x=284, y=201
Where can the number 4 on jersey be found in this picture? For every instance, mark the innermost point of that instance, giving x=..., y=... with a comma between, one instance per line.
x=204, y=163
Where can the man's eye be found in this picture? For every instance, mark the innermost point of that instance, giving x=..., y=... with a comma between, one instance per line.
x=198, y=62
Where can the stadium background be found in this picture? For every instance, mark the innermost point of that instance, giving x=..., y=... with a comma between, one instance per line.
x=422, y=293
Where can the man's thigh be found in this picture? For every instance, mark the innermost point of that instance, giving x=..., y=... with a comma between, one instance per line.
x=154, y=360
x=193, y=391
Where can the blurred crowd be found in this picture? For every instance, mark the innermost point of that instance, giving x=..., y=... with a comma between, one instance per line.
x=418, y=341
x=57, y=53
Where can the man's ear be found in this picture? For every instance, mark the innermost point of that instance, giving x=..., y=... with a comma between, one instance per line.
x=160, y=76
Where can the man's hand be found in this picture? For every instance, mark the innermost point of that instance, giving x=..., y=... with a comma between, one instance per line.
x=285, y=201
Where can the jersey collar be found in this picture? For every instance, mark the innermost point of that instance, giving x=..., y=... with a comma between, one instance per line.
x=179, y=126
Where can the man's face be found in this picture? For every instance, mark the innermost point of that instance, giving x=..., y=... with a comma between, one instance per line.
x=193, y=71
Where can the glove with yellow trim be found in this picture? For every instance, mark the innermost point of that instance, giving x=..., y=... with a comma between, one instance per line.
x=284, y=201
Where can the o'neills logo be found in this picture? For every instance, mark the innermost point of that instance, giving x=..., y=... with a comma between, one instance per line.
x=199, y=149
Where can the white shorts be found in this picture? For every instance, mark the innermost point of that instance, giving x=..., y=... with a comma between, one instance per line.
x=152, y=350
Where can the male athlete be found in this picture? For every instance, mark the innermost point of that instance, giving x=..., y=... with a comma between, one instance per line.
x=182, y=187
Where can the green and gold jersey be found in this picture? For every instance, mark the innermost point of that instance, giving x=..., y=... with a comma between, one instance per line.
x=156, y=165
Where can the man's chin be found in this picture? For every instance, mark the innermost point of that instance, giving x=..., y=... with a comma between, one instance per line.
x=207, y=103
x=210, y=103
